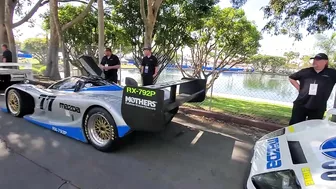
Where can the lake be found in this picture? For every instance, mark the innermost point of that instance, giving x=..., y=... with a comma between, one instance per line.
x=254, y=86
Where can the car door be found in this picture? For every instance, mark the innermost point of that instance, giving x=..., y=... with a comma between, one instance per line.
x=51, y=104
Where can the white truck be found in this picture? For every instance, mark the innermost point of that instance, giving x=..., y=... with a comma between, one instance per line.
x=15, y=72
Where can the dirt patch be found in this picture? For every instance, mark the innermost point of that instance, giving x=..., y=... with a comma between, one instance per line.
x=222, y=126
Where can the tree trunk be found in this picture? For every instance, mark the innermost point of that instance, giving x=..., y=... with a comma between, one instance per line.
x=52, y=61
x=56, y=37
x=9, y=12
x=149, y=20
x=101, y=40
x=66, y=63
x=3, y=33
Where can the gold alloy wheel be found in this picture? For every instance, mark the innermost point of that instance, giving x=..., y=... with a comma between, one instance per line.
x=100, y=130
x=13, y=102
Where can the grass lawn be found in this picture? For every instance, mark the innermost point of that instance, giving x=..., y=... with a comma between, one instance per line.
x=256, y=110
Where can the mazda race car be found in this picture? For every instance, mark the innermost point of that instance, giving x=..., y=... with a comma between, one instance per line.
x=299, y=156
x=92, y=110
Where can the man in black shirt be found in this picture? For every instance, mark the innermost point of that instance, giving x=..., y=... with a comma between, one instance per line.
x=149, y=67
x=110, y=64
x=315, y=87
x=7, y=54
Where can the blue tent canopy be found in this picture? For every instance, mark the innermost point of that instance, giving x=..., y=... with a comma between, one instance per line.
x=24, y=54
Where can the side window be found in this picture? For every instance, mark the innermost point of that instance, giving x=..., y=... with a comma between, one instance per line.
x=66, y=84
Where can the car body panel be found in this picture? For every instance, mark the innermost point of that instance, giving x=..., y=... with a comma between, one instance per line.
x=318, y=142
x=67, y=108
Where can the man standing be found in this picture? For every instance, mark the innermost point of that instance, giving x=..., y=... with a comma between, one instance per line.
x=110, y=64
x=7, y=54
x=149, y=67
x=315, y=86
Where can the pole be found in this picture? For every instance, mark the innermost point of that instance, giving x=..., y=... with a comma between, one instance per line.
x=214, y=70
x=101, y=29
x=120, y=67
x=333, y=117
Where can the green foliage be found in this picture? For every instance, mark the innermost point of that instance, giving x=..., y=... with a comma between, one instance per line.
x=227, y=38
x=327, y=44
x=263, y=62
x=291, y=55
x=37, y=47
x=172, y=30
x=83, y=36
x=288, y=16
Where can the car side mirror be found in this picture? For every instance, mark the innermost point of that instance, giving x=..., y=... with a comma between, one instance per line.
x=79, y=85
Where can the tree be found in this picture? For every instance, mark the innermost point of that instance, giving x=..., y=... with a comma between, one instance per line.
x=288, y=16
x=171, y=30
x=227, y=38
x=37, y=47
x=266, y=63
x=10, y=8
x=82, y=37
x=149, y=18
x=56, y=39
x=305, y=60
x=276, y=63
x=327, y=45
x=291, y=56
x=259, y=62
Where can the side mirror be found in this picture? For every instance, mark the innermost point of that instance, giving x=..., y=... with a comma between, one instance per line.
x=79, y=85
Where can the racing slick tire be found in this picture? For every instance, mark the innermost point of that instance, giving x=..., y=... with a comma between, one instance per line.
x=100, y=129
x=15, y=104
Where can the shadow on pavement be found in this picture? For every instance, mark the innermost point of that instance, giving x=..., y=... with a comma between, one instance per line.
x=178, y=158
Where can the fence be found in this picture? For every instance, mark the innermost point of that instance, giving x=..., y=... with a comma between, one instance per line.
x=266, y=97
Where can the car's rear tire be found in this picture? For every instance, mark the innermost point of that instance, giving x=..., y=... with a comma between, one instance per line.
x=100, y=129
x=15, y=105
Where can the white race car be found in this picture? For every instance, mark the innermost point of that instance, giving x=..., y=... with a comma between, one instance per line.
x=301, y=156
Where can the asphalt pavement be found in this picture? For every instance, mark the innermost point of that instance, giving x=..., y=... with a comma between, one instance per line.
x=190, y=154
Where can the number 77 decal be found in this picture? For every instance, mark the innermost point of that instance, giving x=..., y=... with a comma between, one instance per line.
x=48, y=99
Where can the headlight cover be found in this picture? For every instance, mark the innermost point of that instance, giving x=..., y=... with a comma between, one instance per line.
x=273, y=134
x=284, y=179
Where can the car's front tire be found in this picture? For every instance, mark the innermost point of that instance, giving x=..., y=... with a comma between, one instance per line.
x=100, y=129
x=15, y=105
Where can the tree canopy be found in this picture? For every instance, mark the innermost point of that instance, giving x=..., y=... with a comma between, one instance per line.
x=289, y=16
x=227, y=38
x=174, y=22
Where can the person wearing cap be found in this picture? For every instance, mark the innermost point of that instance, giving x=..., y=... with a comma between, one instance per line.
x=315, y=86
x=149, y=67
x=110, y=64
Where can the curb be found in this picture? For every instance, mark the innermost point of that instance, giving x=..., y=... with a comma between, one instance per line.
x=231, y=118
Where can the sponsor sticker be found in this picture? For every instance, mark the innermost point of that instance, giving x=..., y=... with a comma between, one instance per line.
x=141, y=103
x=69, y=107
x=307, y=176
x=273, y=155
x=291, y=129
x=142, y=92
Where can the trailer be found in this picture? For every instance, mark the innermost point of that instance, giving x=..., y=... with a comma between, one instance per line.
x=15, y=72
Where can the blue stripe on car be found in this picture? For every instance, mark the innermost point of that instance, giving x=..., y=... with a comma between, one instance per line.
x=99, y=88
x=123, y=130
x=73, y=132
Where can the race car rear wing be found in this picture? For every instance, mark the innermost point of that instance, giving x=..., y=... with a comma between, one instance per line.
x=150, y=108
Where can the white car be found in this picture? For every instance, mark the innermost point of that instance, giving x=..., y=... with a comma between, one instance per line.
x=301, y=156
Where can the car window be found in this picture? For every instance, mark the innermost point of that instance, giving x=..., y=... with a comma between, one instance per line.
x=65, y=84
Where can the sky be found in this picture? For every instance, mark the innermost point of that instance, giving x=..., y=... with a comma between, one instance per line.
x=271, y=45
